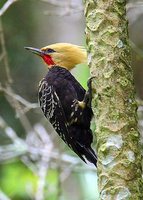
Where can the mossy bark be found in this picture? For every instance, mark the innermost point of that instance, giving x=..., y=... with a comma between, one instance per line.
x=114, y=105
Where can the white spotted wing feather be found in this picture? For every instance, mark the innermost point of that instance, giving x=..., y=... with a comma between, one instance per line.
x=53, y=111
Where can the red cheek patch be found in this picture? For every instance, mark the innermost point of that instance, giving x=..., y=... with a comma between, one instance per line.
x=48, y=60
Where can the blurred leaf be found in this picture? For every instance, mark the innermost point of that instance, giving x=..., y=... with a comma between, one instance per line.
x=81, y=73
x=17, y=180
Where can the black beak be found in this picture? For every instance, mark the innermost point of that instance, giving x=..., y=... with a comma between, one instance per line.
x=35, y=50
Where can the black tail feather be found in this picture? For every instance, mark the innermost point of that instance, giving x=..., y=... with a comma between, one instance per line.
x=87, y=152
x=90, y=155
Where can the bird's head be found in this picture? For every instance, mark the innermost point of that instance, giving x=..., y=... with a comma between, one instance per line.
x=63, y=54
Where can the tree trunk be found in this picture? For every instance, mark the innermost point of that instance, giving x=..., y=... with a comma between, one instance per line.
x=114, y=106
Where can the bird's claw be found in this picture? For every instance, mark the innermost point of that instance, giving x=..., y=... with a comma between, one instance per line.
x=87, y=97
x=78, y=104
x=88, y=94
x=90, y=81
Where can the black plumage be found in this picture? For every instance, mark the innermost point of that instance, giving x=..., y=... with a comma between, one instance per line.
x=58, y=93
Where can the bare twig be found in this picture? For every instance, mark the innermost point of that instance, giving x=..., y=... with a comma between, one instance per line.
x=134, y=11
x=138, y=50
x=3, y=196
x=20, y=99
x=42, y=173
x=6, y=6
x=33, y=145
x=135, y=4
x=4, y=54
x=56, y=3
x=67, y=8
x=68, y=11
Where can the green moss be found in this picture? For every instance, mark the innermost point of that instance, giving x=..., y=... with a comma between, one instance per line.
x=123, y=81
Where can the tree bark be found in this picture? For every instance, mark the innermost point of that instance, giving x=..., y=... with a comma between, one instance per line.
x=114, y=105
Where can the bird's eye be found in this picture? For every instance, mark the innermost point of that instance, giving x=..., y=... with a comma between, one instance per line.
x=50, y=51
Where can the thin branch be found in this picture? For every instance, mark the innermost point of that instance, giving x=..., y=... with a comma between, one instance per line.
x=67, y=6
x=6, y=6
x=67, y=11
x=56, y=3
x=36, y=146
x=20, y=99
x=133, y=5
x=42, y=173
x=138, y=50
x=4, y=54
x=3, y=196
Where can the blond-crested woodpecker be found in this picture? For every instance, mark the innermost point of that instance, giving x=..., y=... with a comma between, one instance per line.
x=64, y=102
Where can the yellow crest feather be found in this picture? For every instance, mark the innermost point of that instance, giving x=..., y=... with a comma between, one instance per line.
x=67, y=55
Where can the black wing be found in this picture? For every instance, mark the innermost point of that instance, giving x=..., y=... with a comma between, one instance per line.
x=53, y=111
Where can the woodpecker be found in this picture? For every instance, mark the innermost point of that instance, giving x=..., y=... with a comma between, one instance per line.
x=64, y=102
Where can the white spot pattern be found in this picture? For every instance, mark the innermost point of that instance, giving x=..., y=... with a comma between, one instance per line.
x=53, y=111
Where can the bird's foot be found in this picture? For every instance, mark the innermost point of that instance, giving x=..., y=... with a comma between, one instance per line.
x=89, y=82
x=88, y=95
x=78, y=104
